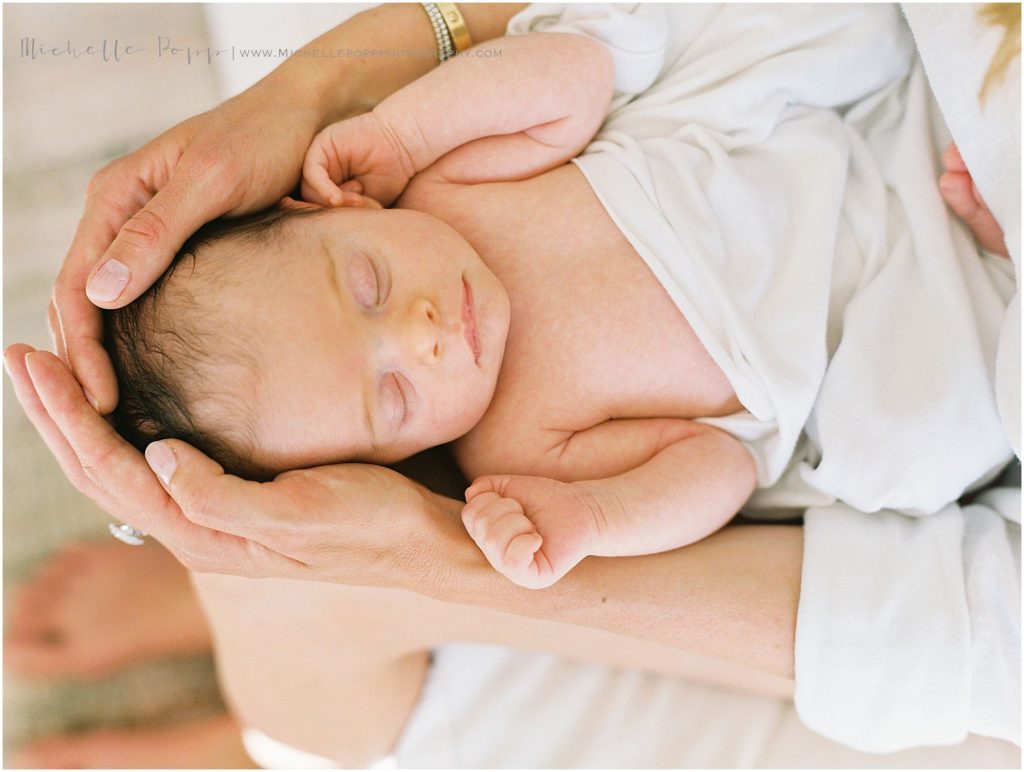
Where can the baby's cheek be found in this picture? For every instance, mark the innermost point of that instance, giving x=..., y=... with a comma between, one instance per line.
x=470, y=408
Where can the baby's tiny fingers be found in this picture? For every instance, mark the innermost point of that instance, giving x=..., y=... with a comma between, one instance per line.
x=483, y=516
x=475, y=504
x=480, y=512
x=956, y=190
x=499, y=525
x=477, y=489
x=317, y=185
x=320, y=191
x=520, y=551
x=496, y=483
x=952, y=159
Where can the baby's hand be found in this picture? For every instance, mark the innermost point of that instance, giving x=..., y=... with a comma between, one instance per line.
x=363, y=149
x=961, y=194
x=531, y=529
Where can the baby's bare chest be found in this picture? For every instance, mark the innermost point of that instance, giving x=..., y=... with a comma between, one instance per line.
x=593, y=334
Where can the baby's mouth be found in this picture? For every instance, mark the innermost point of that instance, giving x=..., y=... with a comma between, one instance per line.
x=469, y=331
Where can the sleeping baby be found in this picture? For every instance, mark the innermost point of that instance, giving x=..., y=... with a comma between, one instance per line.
x=337, y=330
x=308, y=334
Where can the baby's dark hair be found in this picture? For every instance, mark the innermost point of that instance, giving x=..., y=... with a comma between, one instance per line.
x=176, y=378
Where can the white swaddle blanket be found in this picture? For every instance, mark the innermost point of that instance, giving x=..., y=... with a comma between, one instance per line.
x=778, y=175
x=808, y=246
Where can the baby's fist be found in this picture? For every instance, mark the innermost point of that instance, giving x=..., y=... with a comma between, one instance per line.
x=532, y=530
x=364, y=149
x=503, y=532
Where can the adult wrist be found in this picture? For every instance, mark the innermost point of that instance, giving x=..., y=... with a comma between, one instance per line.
x=451, y=557
x=313, y=87
x=390, y=46
x=350, y=69
x=459, y=573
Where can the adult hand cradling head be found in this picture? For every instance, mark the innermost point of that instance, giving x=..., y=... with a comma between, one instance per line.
x=238, y=158
x=284, y=513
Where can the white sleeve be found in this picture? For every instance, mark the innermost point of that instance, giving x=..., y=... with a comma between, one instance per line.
x=957, y=48
x=908, y=630
x=635, y=34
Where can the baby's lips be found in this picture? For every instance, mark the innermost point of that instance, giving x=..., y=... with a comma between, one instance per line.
x=352, y=186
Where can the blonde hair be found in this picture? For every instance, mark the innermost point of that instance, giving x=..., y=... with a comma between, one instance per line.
x=1007, y=16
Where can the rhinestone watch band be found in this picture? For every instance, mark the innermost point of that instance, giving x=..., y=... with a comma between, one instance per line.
x=445, y=47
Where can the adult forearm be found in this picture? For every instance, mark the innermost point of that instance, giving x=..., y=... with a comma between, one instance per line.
x=733, y=595
x=341, y=86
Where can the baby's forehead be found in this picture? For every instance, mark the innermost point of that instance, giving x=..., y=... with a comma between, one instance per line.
x=237, y=258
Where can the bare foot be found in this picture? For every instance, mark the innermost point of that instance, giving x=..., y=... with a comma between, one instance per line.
x=209, y=743
x=962, y=196
x=96, y=607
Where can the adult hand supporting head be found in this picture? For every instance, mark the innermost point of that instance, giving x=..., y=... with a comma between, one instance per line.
x=348, y=523
x=240, y=157
x=733, y=595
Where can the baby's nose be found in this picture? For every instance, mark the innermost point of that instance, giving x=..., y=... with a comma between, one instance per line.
x=423, y=336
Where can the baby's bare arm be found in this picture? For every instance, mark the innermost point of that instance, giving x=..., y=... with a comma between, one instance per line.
x=695, y=480
x=681, y=481
x=531, y=104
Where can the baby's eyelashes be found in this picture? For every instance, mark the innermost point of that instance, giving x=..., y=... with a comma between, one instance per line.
x=398, y=403
x=366, y=282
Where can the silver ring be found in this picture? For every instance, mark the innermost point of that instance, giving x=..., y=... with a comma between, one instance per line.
x=127, y=534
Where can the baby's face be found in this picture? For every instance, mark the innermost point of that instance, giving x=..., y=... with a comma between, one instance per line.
x=377, y=333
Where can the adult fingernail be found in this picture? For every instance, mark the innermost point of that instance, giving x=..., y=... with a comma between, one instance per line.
x=162, y=460
x=109, y=282
x=92, y=400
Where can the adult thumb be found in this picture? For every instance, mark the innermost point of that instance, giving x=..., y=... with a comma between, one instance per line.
x=148, y=241
x=229, y=540
x=204, y=492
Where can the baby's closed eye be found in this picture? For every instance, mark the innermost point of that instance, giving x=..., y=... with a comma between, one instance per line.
x=366, y=282
x=398, y=403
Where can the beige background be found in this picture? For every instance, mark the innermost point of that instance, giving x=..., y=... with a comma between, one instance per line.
x=63, y=120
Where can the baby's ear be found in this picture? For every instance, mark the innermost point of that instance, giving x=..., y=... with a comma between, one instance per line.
x=349, y=200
